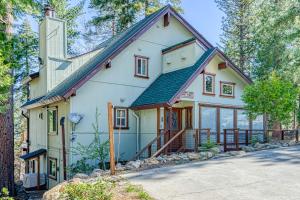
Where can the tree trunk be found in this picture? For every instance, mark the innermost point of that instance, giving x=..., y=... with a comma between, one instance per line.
x=7, y=125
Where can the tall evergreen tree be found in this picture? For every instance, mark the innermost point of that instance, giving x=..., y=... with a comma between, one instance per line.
x=236, y=38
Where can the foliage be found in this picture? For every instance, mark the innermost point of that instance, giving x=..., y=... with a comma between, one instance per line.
x=208, y=145
x=275, y=96
x=100, y=190
x=4, y=194
x=96, y=151
x=139, y=191
x=236, y=38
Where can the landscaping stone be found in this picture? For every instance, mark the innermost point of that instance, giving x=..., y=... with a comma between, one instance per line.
x=120, y=167
x=210, y=155
x=248, y=148
x=97, y=173
x=133, y=165
x=81, y=176
x=150, y=162
x=215, y=150
x=203, y=155
x=55, y=192
x=193, y=156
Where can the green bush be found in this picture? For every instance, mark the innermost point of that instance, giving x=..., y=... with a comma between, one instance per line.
x=207, y=146
x=139, y=191
x=4, y=194
x=100, y=190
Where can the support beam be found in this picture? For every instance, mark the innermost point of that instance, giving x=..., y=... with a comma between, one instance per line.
x=111, y=138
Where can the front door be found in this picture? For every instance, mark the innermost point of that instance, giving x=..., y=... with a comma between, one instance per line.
x=174, y=125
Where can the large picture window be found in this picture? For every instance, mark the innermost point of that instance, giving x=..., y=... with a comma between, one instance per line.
x=52, y=120
x=209, y=84
x=227, y=89
x=53, y=168
x=121, y=118
x=141, y=66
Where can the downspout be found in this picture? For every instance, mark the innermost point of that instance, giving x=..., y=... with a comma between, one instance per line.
x=62, y=124
x=27, y=122
x=137, y=131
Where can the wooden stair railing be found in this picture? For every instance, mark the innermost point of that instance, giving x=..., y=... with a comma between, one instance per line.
x=168, y=143
x=149, y=145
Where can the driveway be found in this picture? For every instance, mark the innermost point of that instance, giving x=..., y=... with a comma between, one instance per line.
x=263, y=175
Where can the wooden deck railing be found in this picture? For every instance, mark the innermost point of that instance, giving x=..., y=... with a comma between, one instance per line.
x=166, y=145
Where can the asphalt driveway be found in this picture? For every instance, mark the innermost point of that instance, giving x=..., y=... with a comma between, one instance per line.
x=263, y=175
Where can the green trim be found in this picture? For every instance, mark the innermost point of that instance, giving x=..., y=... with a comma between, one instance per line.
x=179, y=44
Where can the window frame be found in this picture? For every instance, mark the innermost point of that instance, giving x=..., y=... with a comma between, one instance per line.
x=126, y=118
x=49, y=167
x=231, y=84
x=136, y=74
x=213, y=93
x=48, y=120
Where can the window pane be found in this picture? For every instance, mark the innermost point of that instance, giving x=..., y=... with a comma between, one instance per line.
x=54, y=120
x=242, y=120
x=227, y=89
x=209, y=118
x=209, y=84
x=258, y=123
x=226, y=119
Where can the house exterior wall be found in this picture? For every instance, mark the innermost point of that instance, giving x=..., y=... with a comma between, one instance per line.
x=182, y=57
x=119, y=85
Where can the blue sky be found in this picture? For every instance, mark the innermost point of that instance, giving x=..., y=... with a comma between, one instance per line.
x=204, y=15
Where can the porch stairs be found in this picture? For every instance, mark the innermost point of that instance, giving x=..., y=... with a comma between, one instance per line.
x=154, y=147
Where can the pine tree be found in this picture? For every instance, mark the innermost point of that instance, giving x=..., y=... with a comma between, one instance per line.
x=236, y=38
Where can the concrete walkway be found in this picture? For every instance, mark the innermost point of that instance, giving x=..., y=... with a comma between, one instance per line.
x=263, y=175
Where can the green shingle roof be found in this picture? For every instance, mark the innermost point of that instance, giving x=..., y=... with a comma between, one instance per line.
x=167, y=85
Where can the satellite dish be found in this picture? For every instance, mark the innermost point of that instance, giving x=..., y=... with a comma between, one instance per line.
x=75, y=117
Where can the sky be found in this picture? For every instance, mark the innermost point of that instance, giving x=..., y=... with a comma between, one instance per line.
x=203, y=15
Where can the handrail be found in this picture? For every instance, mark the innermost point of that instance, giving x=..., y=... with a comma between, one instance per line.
x=168, y=143
x=149, y=145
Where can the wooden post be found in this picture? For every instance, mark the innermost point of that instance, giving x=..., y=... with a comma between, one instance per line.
x=196, y=140
x=208, y=135
x=149, y=151
x=282, y=135
x=225, y=140
x=297, y=135
x=38, y=171
x=247, y=137
x=236, y=134
x=111, y=139
x=218, y=126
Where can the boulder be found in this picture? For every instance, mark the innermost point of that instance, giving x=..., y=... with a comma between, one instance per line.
x=120, y=167
x=259, y=146
x=210, y=155
x=193, y=156
x=133, y=165
x=203, y=155
x=292, y=143
x=55, y=192
x=150, y=161
x=215, y=150
x=248, y=148
x=81, y=176
x=96, y=173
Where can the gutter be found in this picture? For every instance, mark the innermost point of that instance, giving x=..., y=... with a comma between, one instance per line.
x=137, y=131
x=27, y=122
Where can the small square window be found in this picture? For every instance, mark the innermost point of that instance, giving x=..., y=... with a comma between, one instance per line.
x=52, y=121
x=227, y=89
x=53, y=168
x=121, y=118
x=209, y=84
x=141, y=66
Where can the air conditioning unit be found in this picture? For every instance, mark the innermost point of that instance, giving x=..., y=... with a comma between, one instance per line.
x=30, y=180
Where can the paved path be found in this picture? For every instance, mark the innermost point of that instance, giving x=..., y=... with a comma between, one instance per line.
x=264, y=175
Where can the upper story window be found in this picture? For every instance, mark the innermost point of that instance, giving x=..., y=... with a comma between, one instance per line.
x=52, y=120
x=227, y=89
x=121, y=118
x=209, y=84
x=141, y=66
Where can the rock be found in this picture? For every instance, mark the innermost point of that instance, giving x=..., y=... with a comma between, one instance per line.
x=151, y=161
x=55, y=192
x=75, y=180
x=215, y=150
x=81, y=176
x=259, y=146
x=97, y=173
x=193, y=156
x=285, y=145
x=210, y=155
x=292, y=143
x=133, y=165
x=203, y=155
x=248, y=148
x=120, y=167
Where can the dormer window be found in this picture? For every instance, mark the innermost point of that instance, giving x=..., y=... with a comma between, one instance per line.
x=227, y=89
x=141, y=66
x=209, y=84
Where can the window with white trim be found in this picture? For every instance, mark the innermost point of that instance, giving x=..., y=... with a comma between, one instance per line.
x=227, y=89
x=209, y=84
x=141, y=66
x=121, y=118
x=53, y=168
x=52, y=120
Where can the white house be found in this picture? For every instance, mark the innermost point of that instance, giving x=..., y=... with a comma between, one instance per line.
x=160, y=66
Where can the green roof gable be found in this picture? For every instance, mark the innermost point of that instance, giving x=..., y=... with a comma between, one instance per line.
x=163, y=89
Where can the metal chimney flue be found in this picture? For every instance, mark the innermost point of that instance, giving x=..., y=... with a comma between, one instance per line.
x=49, y=11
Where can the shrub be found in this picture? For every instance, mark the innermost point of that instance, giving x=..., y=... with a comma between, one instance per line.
x=100, y=190
x=139, y=191
x=4, y=194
